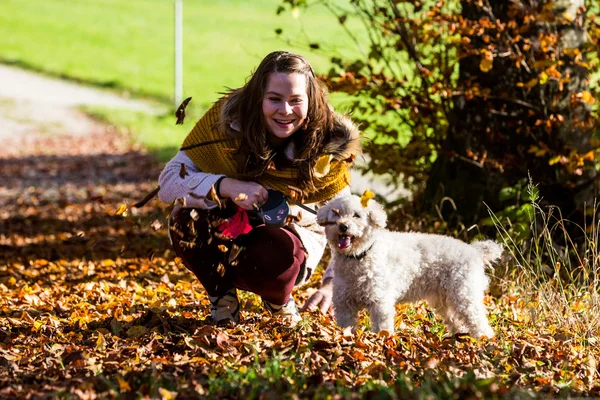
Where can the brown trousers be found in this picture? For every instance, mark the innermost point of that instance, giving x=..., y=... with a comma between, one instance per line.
x=265, y=261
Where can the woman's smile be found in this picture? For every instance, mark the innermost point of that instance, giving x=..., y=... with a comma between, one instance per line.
x=285, y=104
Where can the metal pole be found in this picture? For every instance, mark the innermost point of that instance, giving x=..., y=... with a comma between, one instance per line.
x=178, y=52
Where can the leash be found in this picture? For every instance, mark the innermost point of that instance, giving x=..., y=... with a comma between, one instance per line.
x=302, y=206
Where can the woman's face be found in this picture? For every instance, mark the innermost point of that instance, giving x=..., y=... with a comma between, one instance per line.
x=285, y=103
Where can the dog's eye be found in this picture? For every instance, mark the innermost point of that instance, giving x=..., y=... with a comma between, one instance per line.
x=356, y=215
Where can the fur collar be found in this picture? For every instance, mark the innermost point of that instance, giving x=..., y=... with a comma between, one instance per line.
x=345, y=142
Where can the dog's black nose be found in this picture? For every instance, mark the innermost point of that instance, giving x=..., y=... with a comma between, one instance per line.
x=343, y=227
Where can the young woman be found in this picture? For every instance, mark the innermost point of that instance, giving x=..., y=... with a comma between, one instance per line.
x=276, y=132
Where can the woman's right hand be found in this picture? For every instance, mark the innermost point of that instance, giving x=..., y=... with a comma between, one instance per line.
x=245, y=194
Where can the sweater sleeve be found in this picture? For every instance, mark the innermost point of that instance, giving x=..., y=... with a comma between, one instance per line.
x=193, y=187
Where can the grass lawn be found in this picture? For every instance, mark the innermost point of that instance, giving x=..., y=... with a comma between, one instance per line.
x=128, y=46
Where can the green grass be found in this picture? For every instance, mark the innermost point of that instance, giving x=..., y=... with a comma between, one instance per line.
x=128, y=45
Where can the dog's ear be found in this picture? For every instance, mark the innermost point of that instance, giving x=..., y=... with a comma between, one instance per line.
x=377, y=215
x=322, y=214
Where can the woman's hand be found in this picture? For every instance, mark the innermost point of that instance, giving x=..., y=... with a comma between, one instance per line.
x=321, y=299
x=245, y=194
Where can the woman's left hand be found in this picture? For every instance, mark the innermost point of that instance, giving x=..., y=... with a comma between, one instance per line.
x=321, y=299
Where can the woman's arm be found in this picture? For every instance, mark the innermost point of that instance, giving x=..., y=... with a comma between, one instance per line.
x=181, y=179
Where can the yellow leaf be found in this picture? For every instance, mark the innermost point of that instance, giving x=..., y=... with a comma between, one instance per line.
x=322, y=166
x=554, y=160
x=123, y=384
x=367, y=195
x=486, y=65
x=529, y=84
x=587, y=97
x=108, y=263
x=12, y=281
x=537, y=151
x=122, y=210
x=165, y=394
x=543, y=78
x=101, y=342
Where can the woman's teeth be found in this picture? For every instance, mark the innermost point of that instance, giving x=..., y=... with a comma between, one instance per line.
x=284, y=122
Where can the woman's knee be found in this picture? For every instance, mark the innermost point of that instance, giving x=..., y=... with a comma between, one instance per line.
x=274, y=250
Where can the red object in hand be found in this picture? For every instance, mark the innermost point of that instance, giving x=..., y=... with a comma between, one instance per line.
x=236, y=225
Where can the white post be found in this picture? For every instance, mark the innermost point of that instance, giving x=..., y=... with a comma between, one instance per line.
x=178, y=52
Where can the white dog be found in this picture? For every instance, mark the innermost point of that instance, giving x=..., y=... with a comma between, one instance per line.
x=375, y=269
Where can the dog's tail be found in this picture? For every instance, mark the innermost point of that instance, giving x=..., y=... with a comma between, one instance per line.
x=490, y=249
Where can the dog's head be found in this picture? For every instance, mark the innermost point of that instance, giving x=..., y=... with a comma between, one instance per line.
x=349, y=225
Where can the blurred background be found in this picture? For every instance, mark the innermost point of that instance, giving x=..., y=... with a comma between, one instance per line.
x=128, y=48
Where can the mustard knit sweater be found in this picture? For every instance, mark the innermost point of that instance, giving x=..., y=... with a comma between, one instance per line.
x=213, y=151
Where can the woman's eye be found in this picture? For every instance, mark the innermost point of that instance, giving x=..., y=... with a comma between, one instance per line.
x=356, y=215
x=297, y=101
x=274, y=98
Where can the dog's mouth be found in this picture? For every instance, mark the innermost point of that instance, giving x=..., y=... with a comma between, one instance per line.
x=344, y=242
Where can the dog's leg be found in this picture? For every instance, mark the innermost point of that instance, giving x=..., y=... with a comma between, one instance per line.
x=452, y=320
x=345, y=316
x=344, y=309
x=442, y=310
x=477, y=322
x=467, y=303
x=382, y=316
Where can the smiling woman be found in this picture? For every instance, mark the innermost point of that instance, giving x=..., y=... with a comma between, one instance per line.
x=285, y=104
x=276, y=133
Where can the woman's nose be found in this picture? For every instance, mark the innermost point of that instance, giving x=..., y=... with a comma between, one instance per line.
x=286, y=108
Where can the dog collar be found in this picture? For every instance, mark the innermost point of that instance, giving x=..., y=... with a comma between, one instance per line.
x=363, y=254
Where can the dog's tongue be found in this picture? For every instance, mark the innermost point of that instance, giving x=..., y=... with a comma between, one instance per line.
x=344, y=242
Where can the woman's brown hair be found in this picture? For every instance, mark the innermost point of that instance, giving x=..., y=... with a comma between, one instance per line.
x=244, y=105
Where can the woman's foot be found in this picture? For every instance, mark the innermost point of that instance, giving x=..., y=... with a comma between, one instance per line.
x=225, y=309
x=288, y=310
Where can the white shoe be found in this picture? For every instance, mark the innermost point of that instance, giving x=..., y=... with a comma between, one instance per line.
x=225, y=308
x=289, y=310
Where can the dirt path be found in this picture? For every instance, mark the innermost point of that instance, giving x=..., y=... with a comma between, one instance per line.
x=32, y=106
x=62, y=174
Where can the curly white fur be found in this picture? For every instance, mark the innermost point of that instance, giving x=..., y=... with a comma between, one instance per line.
x=398, y=267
